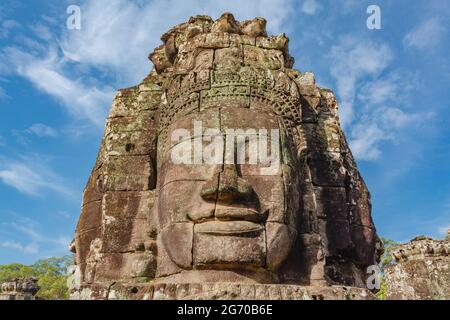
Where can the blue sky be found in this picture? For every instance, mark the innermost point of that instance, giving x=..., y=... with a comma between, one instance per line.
x=56, y=86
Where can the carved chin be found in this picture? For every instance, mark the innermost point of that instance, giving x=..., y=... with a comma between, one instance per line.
x=228, y=245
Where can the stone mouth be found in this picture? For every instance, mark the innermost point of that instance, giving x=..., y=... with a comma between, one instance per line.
x=229, y=228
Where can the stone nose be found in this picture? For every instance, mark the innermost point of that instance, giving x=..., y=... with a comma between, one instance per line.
x=227, y=187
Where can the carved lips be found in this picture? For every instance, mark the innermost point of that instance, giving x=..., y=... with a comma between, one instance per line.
x=228, y=228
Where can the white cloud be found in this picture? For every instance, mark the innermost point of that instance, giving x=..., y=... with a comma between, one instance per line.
x=62, y=241
x=310, y=7
x=6, y=27
x=427, y=35
x=41, y=31
x=120, y=34
x=352, y=60
x=3, y=95
x=82, y=101
x=31, y=176
x=32, y=239
x=64, y=214
x=377, y=92
x=27, y=227
x=382, y=124
x=350, y=5
x=444, y=230
x=391, y=89
x=115, y=39
x=365, y=140
x=42, y=130
x=394, y=88
x=385, y=114
x=31, y=247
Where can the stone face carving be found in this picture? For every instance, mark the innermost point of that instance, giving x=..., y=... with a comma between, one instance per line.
x=217, y=216
x=421, y=271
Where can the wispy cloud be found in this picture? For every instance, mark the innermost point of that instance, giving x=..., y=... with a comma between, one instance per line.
x=42, y=31
x=350, y=5
x=120, y=34
x=385, y=114
x=7, y=26
x=42, y=130
x=3, y=95
x=15, y=245
x=393, y=88
x=64, y=214
x=46, y=74
x=115, y=39
x=32, y=238
x=32, y=176
x=383, y=124
x=62, y=241
x=352, y=60
x=374, y=103
x=310, y=7
x=427, y=35
x=27, y=227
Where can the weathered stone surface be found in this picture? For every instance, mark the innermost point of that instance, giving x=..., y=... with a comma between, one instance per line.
x=266, y=58
x=91, y=216
x=121, y=210
x=184, y=207
x=83, y=242
x=231, y=214
x=331, y=203
x=327, y=170
x=19, y=289
x=280, y=239
x=174, y=238
x=226, y=23
x=228, y=244
x=231, y=58
x=255, y=27
x=221, y=291
x=421, y=271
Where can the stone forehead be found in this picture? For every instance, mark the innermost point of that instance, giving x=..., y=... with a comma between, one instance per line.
x=223, y=117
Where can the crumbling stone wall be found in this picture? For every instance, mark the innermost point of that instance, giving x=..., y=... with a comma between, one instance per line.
x=421, y=271
x=19, y=289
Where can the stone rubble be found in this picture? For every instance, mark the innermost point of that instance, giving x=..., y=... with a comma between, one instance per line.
x=421, y=271
x=19, y=289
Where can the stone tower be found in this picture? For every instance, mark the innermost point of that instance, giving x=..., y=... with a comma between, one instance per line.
x=214, y=225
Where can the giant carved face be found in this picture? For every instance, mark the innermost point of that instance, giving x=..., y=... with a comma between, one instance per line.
x=220, y=205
